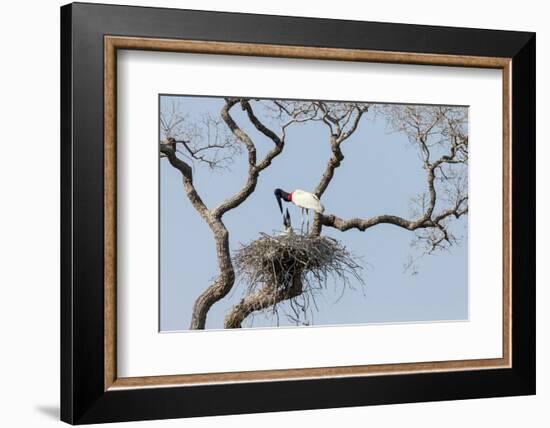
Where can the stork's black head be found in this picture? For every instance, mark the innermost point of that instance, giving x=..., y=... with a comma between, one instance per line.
x=281, y=194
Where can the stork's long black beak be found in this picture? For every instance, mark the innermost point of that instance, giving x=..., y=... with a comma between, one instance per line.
x=278, y=197
x=280, y=203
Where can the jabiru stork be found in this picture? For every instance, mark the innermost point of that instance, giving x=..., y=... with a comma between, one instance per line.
x=305, y=200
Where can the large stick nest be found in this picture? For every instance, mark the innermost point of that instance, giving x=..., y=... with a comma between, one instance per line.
x=299, y=265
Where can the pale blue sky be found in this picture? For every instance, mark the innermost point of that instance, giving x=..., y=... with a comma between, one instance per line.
x=380, y=174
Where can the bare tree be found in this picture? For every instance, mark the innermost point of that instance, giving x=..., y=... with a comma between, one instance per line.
x=439, y=135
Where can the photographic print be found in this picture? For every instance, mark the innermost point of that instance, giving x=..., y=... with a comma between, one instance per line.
x=306, y=209
x=300, y=213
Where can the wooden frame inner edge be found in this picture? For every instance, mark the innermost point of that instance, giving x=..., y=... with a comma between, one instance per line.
x=112, y=43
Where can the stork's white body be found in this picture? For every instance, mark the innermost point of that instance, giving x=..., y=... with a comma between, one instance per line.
x=307, y=201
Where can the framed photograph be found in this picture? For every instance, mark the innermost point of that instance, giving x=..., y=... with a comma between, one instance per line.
x=265, y=213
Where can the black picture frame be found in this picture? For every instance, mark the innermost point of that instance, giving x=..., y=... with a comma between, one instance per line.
x=83, y=398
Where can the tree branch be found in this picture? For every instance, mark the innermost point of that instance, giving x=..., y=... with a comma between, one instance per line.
x=337, y=137
x=262, y=299
x=223, y=283
x=253, y=168
x=202, y=140
x=168, y=149
x=364, y=224
x=259, y=125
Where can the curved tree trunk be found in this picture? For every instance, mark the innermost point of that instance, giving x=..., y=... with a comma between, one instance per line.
x=222, y=285
x=262, y=299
